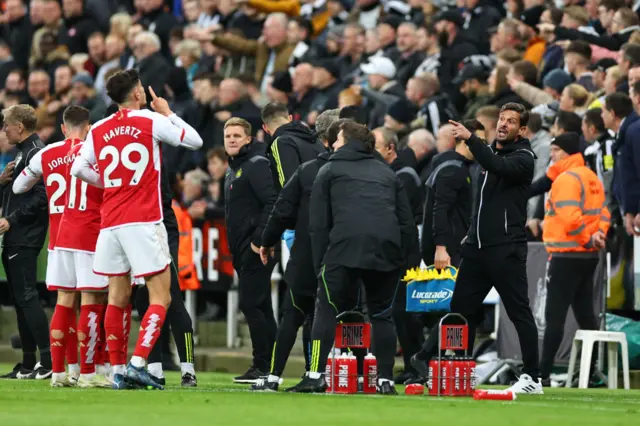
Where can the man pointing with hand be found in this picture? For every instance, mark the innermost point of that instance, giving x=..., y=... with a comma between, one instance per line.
x=494, y=253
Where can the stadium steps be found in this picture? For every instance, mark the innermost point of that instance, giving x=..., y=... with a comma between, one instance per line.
x=210, y=352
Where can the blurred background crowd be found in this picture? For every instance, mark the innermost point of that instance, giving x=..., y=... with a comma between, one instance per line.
x=408, y=66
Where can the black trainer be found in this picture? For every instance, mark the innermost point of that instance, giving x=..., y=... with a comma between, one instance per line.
x=251, y=376
x=386, y=388
x=309, y=385
x=17, y=372
x=416, y=380
x=420, y=365
x=189, y=381
x=40, y=373
x=159, y=380
x=264, y=385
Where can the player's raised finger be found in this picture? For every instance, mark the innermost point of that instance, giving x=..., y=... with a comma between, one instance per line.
x=153, y=94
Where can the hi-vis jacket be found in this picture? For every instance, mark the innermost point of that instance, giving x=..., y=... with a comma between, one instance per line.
x=187, y=274
x=576, y=207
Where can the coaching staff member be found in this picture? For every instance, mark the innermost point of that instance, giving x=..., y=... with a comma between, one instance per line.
x=249, y=195
x=495, y=251
x=24, y=225
x=361, y=227
x=291, y=210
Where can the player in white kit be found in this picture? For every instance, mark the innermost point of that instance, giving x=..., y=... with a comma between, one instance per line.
x=132, y=239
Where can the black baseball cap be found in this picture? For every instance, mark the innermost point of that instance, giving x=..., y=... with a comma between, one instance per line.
x=603, y=64
x=470, y=72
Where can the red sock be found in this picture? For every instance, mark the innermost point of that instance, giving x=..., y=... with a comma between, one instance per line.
x=126, y=322
x=89, y=327
x=72, y=340
x=60, y=322
x=115, y=335
x=101, y=349
x=150, y=328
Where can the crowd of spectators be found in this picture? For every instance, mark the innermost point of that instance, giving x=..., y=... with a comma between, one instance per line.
x=408, y=66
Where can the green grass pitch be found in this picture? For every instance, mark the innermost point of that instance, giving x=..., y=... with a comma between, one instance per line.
x=217, y=401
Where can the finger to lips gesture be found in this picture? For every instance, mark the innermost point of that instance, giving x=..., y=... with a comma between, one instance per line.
x=459, y=131
x=159, y=105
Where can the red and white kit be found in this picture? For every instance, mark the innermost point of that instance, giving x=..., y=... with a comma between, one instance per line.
x=67, y=196
x=125, y=146
x=78, y=233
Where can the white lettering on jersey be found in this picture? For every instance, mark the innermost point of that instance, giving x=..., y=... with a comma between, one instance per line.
x=122, y=131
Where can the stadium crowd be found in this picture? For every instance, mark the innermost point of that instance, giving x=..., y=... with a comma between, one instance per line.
x=403, y=68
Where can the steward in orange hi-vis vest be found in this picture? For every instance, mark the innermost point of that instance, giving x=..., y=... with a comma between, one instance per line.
x=187, y=275
x=575, y=224
x=576, y=207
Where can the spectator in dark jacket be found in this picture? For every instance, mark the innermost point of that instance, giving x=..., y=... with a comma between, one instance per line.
x=7, y=63
x=292, y=143
x=18, y=32
x=159, y=22
x=152, y=66
x=361, y=227
x=627, y=162
x=409, y=55
x=77, y=27
x=249, y=198
x=325, y=80
x=434, y=106
x=480, y=15
x=454, y=47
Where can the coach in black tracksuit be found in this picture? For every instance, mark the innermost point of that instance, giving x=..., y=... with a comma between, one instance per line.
x=249, y=195
x=495, y=251
x=291, y=210
x=361, y=227
x=24, y=225
x=292, y=143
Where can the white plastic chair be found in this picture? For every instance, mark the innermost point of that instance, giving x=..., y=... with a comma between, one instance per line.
x=587, y=338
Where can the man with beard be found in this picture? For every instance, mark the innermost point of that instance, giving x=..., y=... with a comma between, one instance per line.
x=453, y=49
x=495, y=249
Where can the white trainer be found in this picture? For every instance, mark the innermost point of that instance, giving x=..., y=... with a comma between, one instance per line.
x=526, y=385
x=93, y=381
x=60, y=380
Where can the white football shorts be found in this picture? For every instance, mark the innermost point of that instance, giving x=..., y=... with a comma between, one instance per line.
x=73, y=270
x=141, y=250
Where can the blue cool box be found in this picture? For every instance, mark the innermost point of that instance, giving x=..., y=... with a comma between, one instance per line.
x=430, y=290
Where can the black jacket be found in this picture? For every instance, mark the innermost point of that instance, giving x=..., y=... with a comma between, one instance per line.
x=610, y=42
x=75, y=33
x=291, y=211
x=501, y=201
x=154, y=71
x=359, y=214
x=18, y=35
x=249, y=198
x=27, y=213
x=478, y=21
x=412, y=185
x=292, y=144
x=161, y=23
x=447, y=209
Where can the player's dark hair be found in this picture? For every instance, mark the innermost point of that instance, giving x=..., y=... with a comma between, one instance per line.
x=75, y=116
x=520, y=109
x=353, y=131
x=593, y=117
x=120, y=85
x=274, y=110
